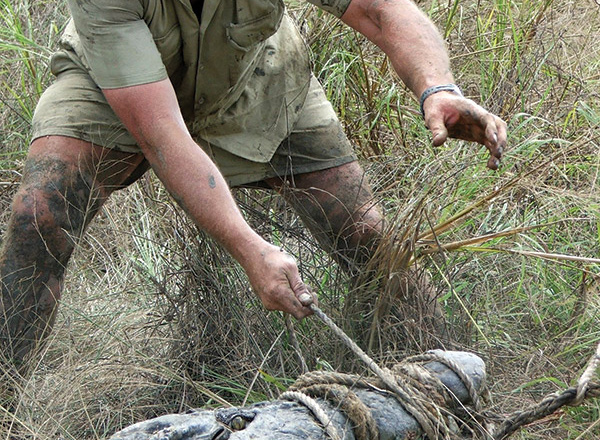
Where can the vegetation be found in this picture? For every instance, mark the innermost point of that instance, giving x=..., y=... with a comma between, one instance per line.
x=156, y=318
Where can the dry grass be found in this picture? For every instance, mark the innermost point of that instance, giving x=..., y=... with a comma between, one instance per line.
x=156, y=318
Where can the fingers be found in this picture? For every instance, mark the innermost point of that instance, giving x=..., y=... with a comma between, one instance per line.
x=495, y=139
x=449, y=115
x=299, y=291
x=276, y=280
x=491, y=143
x=493, y=163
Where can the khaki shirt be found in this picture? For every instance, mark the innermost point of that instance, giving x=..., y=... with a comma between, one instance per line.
x=241, y=74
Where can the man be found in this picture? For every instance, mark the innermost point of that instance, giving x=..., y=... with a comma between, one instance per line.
x=210, y=95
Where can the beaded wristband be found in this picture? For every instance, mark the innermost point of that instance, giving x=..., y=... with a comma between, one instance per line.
x=431, y=90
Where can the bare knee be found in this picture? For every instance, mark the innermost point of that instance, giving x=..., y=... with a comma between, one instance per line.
x=58, y=192
x=56, y=200
x=50, y=210
x=36, y=224
x=364, y=225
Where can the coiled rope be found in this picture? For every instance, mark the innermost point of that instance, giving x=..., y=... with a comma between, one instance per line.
x=421, y=394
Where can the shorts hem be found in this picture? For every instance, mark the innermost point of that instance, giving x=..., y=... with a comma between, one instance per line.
x=82, y=137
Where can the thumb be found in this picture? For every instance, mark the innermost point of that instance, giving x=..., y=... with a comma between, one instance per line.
x=301, y=291
x=304, y=294
x=439, y=132
x=308, y=297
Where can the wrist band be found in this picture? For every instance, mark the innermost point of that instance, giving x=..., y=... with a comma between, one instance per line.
x=431, y=90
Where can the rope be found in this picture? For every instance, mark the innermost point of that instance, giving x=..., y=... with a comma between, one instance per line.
x=317, y=411
x=584, y=381
x=335, y=388
x=416, y=389
x=546, y=407
x=464, y=377
x=429, y=422
x=428, y=394
x=572, y=396
x=363, y=423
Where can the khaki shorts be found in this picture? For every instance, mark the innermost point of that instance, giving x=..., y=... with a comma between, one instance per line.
x=74, y=106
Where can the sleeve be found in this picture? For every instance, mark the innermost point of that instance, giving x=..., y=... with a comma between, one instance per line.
x=335, y=7
x=116, y=42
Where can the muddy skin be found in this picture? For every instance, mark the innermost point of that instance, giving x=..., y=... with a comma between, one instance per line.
x=65, y=182
x=338, y=207
x=50, y=211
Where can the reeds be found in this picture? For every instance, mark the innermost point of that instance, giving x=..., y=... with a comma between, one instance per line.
x=156, y=318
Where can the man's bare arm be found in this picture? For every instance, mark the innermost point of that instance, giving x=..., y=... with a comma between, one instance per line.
x=418, y=54
x=151, y=113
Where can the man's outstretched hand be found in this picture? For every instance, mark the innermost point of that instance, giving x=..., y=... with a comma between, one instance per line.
x=275, y=278
x=450, y=115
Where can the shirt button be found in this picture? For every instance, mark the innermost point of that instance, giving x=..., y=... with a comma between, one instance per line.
x=201, y=66
x=200, y=100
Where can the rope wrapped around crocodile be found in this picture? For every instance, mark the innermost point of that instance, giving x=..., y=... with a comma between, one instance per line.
x=356, y=407
x=437, y=395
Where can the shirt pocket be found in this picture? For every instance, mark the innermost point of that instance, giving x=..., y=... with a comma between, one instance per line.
x=255, y=22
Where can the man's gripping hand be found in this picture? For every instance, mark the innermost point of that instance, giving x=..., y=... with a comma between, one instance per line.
x=449, y=115
x=275, y=278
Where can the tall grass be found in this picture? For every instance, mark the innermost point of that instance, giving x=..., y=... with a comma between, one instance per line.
x=156, y=318
x=27, y=34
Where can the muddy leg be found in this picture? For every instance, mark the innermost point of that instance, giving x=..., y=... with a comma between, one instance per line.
x=65, y=182
x=338, y=206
